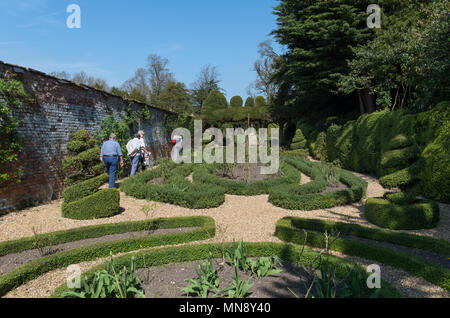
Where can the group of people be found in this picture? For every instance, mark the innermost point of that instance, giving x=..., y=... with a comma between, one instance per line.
x=111, y=155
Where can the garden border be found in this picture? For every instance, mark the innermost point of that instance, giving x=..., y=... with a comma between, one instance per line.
x=37, y=267
x=414, y=265
x=185, y=253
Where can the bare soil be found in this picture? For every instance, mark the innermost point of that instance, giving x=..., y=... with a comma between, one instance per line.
x=167, y=281
x=12, y=261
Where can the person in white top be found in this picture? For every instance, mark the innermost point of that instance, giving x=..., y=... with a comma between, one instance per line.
x=133, y=149
x=145, y=154
x=177, y=141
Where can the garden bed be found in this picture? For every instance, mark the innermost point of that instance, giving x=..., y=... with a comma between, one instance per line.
x=248, y=173
x=11, y=261
x=168, y=280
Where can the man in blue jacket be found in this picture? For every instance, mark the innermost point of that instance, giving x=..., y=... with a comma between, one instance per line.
x=110, y=155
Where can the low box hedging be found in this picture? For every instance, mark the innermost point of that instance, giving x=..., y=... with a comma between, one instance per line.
x=84, y=201
x=293, y=198
x=37, y=267
x=421, y=215
x=382, y=235
x=288, y=253
x=412, y=264
x=102, y=204
x=84, y=188
x=174, y=189
x=94, y=231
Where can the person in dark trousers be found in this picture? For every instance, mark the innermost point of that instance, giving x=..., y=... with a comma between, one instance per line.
x=110, y=155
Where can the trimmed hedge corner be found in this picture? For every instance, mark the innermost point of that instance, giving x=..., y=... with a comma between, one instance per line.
x=414, y=216
x=84, y=201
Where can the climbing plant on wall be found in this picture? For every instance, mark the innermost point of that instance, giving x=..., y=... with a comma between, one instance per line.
x=11, y=94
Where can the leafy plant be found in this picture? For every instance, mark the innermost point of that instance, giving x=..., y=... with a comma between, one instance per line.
x=264, y=266
x=238, y=288
x=237, y=257
x=207, y=279
x=108, y=283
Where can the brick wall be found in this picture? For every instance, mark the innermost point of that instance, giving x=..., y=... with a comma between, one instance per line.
x=60, y=108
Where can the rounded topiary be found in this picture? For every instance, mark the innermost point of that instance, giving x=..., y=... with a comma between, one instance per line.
x=421, y=214
x=215, y=100
x=318, y=147
x=236, y=101
x=260, y=101
x=250, y=102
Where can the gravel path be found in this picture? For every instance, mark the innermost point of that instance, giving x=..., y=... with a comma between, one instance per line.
x=251, y=219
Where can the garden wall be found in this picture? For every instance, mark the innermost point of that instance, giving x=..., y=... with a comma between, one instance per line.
x=61, y=107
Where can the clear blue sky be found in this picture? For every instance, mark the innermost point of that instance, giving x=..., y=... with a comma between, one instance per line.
x=116, y=37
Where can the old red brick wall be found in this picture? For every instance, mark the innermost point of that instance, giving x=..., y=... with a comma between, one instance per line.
x=60, y=108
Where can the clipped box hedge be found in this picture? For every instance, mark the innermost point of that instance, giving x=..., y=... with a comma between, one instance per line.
x=186, y=253
x=84, y=201
x=414, y=216
x=435, y=274
x=40, y=266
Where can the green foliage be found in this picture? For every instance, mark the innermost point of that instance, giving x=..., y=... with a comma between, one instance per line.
x=264, y=266
x=215, y=100
x=82, y=161
x=412, y=216
x=260, y=101
x=157, y=257
x=236, y=101
x=63, y=259
x=436, y=173
x=84, y=201
x=417, y=266
x=353, y=285
x=249, y=102
x=11, y=95
x=318, y=147
x=109, y=283
x=238, y=287
x=407, y=62
x=102, y=204
x=299, y=143
x=94, y=231
x=207, y=279
x=318, y=36
x=361, y=145
x=382, y=235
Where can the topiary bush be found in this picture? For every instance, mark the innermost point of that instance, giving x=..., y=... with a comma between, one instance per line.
x=317, y=148
x=299, y=143
x=82, y=161
x=422, y=214
x=236, y=101
x=84, y=201
x=260, y=101
x=361, y=144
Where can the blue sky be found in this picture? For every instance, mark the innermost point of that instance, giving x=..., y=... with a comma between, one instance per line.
x=116, y=37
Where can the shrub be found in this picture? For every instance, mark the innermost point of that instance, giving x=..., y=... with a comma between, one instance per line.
x=82, y=162
x=436, y=172
x=299, y=143
x=236, y=101
x=361, y=144
x=102, y=204
x=421, y=215
x=317, y=148
x=417, y=266
x=249, y=102
x=260, y=101
x=83, y=201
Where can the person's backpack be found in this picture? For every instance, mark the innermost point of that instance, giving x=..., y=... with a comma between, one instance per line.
x=133, y=146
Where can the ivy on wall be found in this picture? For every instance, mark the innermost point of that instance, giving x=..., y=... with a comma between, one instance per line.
x=11, y=95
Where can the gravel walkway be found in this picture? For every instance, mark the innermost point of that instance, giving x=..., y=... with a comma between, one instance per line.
x=251, y=219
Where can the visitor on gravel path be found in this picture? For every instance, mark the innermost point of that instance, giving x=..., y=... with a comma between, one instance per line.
x=110, y=154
